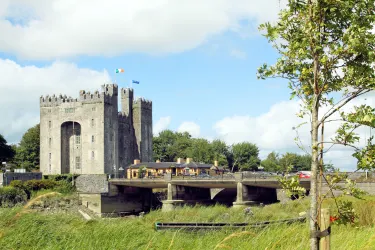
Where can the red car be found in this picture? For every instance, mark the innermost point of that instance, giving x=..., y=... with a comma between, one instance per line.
x=304, y=175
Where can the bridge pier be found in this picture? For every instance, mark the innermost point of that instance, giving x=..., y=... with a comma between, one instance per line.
x=250, y=196
x=179, y=195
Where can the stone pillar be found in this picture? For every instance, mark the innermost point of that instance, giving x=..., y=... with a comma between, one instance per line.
x=245, y=197
x=180, y=195
x=281, y=196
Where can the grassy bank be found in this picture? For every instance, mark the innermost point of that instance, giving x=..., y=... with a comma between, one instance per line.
x=22, y=228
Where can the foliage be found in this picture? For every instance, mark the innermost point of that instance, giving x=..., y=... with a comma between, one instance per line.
x=141, y=171
x=275, y=163
x=10, y=196
x=291, y=185
x=6, y=151
x=326, y=47
x=169, y=145
x=245, y=156
x=60, y=185
x=27, y=153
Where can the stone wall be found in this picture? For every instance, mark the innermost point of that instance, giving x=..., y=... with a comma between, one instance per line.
x=92, y=184
x=365, y=186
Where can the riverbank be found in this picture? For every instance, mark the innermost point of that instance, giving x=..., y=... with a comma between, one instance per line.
x=25, y=227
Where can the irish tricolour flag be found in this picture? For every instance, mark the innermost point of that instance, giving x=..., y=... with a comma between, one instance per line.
x=120, y=71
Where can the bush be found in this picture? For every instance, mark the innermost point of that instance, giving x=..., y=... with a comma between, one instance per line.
x=10, y=196
x=36, y=185
x=65, y=187
x=61, y=186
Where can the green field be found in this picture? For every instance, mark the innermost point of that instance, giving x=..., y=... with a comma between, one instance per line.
x=21, y=228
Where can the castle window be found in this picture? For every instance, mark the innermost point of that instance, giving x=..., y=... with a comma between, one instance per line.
x=78, y=139
x=78, y=162
x=92, y=155
x=69, y=110
x=49, y=124
x=92, y=122
x=50, y=156
x=50, y=142
x=93, y=109
x=50, y=167
x=49, y=110
x=92, y=138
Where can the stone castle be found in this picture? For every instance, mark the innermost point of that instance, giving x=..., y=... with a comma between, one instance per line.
x=88, y=135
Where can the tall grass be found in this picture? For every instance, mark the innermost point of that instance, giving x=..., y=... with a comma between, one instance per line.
x=20, y=230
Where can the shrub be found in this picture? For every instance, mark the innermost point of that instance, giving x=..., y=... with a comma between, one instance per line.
x=10, y=196
x=64, y=187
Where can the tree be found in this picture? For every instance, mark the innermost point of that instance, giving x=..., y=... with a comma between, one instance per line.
x=245, y=156
x=27, y=153
x=6, y=151
x=271, y=163
x=326, y=48
x=201, y=151
x=169, y=145
x=221, y=152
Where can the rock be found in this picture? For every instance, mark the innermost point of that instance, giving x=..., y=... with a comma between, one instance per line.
x=141, y=214
x=248, y=211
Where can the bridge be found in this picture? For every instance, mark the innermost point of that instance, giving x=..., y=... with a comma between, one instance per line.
x=239, y=189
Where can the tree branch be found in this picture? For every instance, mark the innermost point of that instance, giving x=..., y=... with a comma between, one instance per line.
x=335, y=109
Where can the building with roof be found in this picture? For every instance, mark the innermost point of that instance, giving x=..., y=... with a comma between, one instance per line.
x=178, y=168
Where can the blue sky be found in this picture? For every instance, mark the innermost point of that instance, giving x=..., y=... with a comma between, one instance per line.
x=195, y=60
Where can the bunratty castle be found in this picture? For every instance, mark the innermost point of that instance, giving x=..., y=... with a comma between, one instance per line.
x=88, y=135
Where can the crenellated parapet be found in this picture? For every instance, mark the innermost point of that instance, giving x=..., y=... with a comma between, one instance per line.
x=142, y=103
x=108, y=95
x=53, y=101
x=127, y=93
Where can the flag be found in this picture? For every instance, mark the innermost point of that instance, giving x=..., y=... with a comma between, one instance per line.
x=120, y=71
x=134, y=81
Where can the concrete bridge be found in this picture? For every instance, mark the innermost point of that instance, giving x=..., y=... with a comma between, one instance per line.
x=239, y=189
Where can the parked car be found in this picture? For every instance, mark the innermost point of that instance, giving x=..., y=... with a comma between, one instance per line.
x=304, y=174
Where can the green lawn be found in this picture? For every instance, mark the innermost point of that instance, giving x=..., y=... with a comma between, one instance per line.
x=32, y=230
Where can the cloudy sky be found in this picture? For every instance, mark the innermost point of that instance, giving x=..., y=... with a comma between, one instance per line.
x=195, y=59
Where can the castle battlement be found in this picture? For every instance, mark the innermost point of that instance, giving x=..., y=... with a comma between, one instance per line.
x=51, y=101
x=142, y=103
x=127, y=92
x=108, y=91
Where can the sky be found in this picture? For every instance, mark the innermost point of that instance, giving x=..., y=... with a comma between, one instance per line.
x=196, y=60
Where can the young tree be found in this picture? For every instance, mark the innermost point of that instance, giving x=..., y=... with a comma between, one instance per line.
x=326, y=47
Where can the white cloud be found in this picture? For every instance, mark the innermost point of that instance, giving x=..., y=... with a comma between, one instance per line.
x=21, y=87
x=273, y=131
x=64, y=28
x=238, y=54
x=191, y=127
x=161, y=124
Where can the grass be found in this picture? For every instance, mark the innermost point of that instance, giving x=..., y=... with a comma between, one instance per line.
x=21, y=228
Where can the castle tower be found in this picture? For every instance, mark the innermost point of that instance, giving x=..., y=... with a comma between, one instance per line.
x=126, y=129
x=142, y=122
x=88, y=135
x=75, y=134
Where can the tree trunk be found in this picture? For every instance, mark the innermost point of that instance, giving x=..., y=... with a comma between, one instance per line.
x=314, y=180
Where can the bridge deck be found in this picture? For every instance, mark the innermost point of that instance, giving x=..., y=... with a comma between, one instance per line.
x=202, y=183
